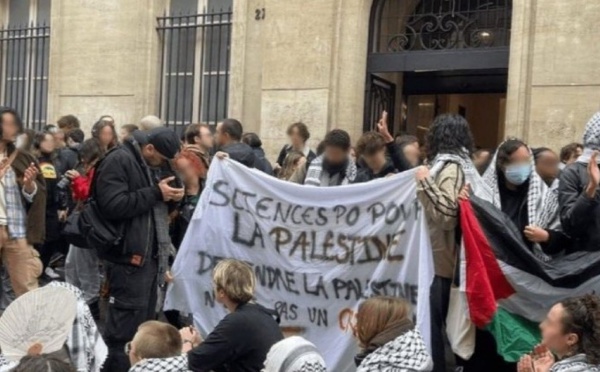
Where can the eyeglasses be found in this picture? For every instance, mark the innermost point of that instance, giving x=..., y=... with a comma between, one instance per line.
x=127, y=348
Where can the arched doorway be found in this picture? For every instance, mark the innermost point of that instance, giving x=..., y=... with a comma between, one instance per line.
x=432, y=56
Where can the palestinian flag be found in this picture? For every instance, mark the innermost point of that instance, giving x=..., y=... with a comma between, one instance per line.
x=508, y=289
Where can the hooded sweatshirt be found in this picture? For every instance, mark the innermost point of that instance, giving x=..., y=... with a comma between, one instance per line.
x=241, y=153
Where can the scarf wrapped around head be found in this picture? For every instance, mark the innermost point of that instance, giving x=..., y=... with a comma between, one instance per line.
x=294, y=354
x=542, y=201
x=591, y=139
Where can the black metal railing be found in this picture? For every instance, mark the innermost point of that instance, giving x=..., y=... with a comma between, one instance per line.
x=194, y=68
x=24, y=60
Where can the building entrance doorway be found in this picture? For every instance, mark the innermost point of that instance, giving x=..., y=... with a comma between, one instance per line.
x=428, y=57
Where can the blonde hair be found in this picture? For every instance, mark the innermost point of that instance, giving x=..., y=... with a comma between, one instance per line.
x=156, y=339
x=290, y=163
x=376, y=315
x=236, y=279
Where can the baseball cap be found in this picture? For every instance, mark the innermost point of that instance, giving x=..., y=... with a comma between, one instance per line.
x=165, y=141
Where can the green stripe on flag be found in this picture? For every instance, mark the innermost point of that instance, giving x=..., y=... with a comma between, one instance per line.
x=515, y=335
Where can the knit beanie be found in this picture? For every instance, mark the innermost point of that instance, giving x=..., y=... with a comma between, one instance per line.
x=294, y=354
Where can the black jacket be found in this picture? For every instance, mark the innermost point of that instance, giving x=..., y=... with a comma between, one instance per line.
x=241, y=153
x=285, y=150
x=124, y=192
x=396, y=164
x=580, y=215
x=68, y=158
x=262, y=163
x=239, y=343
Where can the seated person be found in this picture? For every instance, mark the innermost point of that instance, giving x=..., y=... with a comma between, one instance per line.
x=241, y=341
x=388, y=338
x=571, y=332
x=156, y=347
x=294, y=354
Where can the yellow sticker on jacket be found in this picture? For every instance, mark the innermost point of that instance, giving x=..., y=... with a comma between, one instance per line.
x=48, y=170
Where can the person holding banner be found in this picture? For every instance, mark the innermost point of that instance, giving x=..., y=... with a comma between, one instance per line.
x=334, y=167
x=241, y=341
x=449, y=146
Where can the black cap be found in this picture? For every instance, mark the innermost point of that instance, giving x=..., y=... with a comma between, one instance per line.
x=165, y=141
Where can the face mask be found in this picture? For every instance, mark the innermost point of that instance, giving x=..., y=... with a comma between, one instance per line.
x=518, y=174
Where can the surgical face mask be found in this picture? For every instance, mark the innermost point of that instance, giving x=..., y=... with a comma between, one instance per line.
x=517, y=174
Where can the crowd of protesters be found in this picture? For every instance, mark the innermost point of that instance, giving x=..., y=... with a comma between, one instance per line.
x=139, y=184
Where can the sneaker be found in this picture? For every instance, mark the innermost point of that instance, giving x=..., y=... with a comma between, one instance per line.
x=51, y=273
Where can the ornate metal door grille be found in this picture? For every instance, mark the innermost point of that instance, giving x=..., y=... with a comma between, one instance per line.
x=381, y=95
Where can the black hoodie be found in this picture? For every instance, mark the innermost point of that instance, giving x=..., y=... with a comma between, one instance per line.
x=241, y=153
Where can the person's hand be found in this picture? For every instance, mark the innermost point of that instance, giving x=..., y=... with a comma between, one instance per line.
x=536, y=234
x=190, y=338
x=169, y=277
x=525, y=364
x=29, y=178
x=422, y=173
x=62, y=215
x=542, y=359
x=593, y=176
x=221, y=155
x=169, y=193
x=72, y=174
x=465, y=192
x=301, y=162
x=382, y=127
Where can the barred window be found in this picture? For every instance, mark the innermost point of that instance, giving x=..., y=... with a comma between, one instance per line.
x=24, y=59
x=195, y=58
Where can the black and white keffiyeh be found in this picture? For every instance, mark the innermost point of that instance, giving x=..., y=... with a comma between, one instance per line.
x=591, y=139
x=316, y=177
x=86, y=346
x=576, y=363
x=472, y=176
x=294, y=354
x=406, y=353
x=175, y=364
x=542, y=201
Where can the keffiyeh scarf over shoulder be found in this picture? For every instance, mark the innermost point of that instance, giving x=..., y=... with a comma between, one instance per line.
x=315, y=175
x=576, y=363
x=472, y=177
x=175, y=364
x=406, y=353
x=591, y=139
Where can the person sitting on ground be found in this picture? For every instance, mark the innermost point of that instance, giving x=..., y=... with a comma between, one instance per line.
x=482, y=159
x=388, y=338
x=519, y=191
x=571, y=332
x=156, y=347
x=228, y=139
x=333, y=168
x=546, y=165
x=241, y=341
x=200, y=140
x=262, y=164
x=298, y=134
x=292, y=162
x=294, y=354
x=43, y=363
x=578, y=192
x=410, y=148
x=570, y=153
x=126, y=131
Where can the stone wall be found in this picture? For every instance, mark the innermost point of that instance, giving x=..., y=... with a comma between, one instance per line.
x=104, y=59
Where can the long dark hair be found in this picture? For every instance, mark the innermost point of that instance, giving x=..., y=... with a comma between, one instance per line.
x=90, y=152
x=449, y=134
x=38, y=138
x=97, y=128
x=582, y=317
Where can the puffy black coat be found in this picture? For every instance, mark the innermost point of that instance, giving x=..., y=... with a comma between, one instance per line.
x=125, y=193
x=241, y=153
x=262, y=163
x=579, y=215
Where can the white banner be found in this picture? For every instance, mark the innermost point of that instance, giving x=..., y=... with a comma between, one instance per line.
x=317, y=252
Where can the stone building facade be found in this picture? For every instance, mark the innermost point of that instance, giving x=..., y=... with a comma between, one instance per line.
x=312, y=61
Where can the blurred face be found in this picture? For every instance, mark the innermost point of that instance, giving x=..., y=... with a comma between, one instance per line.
x=123, y=134
x=375, y=161
x=412, y=153
x=59, y=138
x=553, y=335
x=575, y=155
x=221, y=139
x=518, y=169
x=153, y=157
x=335, y=155
x=48, y=145
x=206, y=139
x=10, y=128
x=106, y=136
x=187, y=171
x=296, y=140
x=547, y=165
